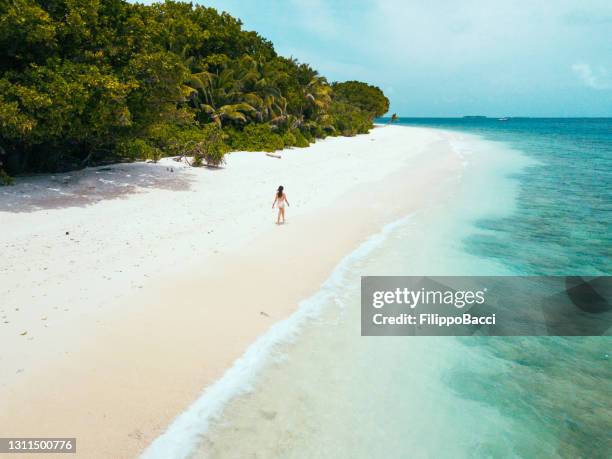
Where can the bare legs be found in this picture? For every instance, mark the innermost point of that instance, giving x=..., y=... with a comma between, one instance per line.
x=281, y=214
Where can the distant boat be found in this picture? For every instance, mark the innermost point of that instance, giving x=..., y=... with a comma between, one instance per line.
x=502, y=119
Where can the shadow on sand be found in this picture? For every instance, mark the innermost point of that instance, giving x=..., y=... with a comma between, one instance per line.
x=92, y=185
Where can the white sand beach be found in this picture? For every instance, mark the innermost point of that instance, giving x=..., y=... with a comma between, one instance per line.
x=126, y=290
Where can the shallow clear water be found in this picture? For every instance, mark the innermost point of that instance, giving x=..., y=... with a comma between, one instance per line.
x=564, y=209
x=534, y=198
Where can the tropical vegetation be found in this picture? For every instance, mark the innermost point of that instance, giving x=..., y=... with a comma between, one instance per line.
x=86, y=82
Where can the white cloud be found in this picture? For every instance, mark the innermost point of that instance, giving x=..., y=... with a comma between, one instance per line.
x=595, y=79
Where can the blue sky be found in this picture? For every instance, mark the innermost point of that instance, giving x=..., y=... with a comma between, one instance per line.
x=453, y=57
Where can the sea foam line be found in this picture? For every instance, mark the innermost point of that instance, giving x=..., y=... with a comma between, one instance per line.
x=185, y=433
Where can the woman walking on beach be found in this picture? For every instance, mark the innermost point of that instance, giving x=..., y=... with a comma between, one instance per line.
x=281, y=198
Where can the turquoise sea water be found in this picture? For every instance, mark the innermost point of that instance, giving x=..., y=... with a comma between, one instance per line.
x=535, y=198
x=564, y=209
x=560, y=226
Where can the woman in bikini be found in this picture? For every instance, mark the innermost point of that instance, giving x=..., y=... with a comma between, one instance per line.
x=280, y=198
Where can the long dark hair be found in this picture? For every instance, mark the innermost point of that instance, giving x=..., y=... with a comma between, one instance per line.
x=280, y=191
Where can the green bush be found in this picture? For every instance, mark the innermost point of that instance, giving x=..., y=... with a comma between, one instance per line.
x=135, y=149
x=211, y=149
x=289, y=139
x=5, y=179
x=256, y=137
x=308, y=136
x=319, y=133
x=172, y=136
x=300, y=140
x=349, y=120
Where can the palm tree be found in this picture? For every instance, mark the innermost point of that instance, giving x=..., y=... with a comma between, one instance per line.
x=260, y=82
x=218, y=95
x=318, y=94
x=234, y=112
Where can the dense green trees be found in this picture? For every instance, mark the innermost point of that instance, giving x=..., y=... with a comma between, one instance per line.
x=363, y=96
x=92, y=81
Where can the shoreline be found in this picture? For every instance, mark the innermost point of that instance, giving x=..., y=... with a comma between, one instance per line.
x=244, y=373
x=144, y=358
